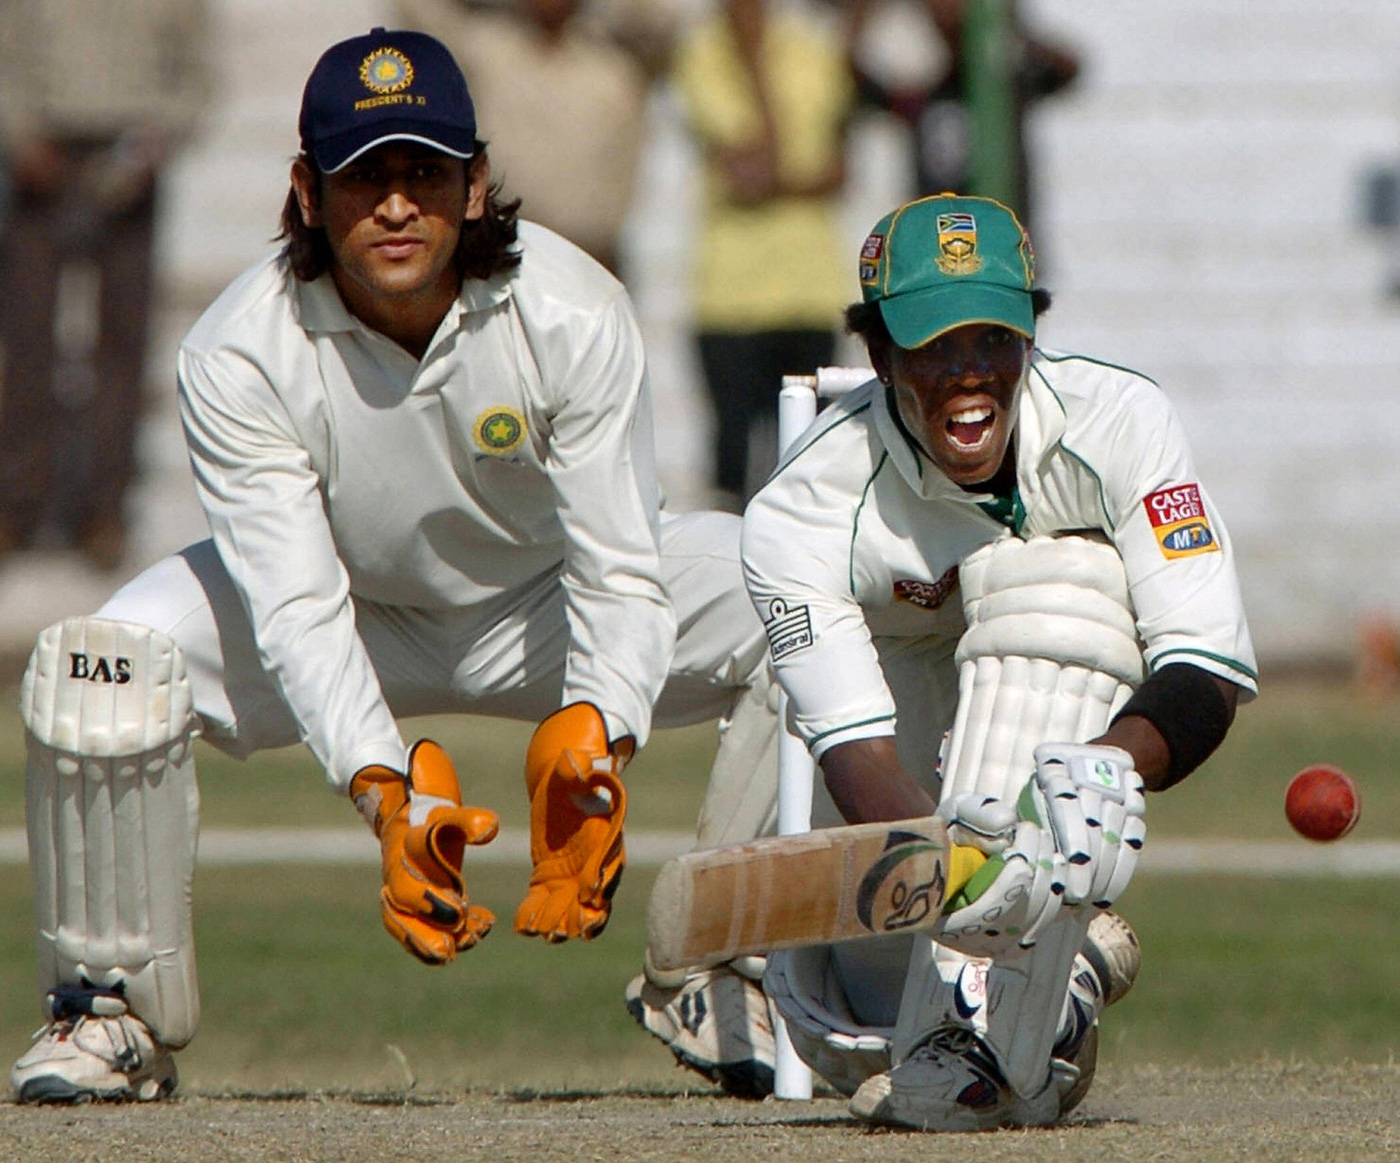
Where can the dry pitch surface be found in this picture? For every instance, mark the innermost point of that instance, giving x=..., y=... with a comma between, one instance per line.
x=1271, y=1112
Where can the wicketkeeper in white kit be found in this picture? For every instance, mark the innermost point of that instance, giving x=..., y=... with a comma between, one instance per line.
x=990, y=576
x=421, y=433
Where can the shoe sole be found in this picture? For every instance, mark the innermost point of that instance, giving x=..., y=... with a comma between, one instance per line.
x=56, y=1090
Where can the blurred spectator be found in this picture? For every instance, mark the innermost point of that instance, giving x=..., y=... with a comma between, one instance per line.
x=560, y=89
x=768, y=94
x=934, y=106
x=1378, y=655
x=95, y=97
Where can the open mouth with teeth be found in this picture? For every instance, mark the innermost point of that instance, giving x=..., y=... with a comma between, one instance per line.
x=972, y=427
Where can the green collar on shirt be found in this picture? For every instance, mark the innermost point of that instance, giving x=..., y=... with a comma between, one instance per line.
x=1006, y=508
x=1003, y=503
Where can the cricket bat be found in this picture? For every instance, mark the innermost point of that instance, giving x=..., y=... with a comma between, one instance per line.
x=780, y=892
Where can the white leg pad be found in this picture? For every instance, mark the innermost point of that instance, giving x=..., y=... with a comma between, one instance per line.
x=806, y=989
x=1014, y=1006
x=113, y=816
x=1050, y=654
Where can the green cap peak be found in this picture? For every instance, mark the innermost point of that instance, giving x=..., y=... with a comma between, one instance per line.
x=945, y=261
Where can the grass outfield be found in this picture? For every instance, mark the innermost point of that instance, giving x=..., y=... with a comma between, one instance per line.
x=303, y=990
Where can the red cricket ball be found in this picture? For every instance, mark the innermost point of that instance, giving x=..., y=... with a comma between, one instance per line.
x=1322, y=802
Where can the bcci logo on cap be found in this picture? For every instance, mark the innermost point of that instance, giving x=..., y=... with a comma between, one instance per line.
x=386, y=70
x=957, y=245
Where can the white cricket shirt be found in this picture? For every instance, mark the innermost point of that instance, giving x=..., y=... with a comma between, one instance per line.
x=853, y=546
x=333, y=463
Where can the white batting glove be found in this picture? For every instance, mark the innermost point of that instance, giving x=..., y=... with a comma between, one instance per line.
x=1026, y=870
x=1092, y=799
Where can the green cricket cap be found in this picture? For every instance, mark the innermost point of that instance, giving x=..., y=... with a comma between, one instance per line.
x=944, y=261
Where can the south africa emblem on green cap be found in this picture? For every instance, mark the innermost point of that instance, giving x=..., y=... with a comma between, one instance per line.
x=957, y=245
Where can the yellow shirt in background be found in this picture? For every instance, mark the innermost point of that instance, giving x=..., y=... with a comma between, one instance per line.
x=779, y=264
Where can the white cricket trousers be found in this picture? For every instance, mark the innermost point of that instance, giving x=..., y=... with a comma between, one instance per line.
x=504, y=658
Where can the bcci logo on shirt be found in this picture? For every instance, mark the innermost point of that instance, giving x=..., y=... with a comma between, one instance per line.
x=1178, y=518
x=499, y=431
x=957, y=245
x=386, y=70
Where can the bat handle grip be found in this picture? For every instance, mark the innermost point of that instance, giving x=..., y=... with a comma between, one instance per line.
x=969, y=872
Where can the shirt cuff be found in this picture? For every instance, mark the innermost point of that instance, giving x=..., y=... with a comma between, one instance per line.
x=873, y=729
x=384, y=752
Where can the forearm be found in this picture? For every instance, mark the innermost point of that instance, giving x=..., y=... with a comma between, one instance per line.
x=868, y=783
x=1178, y=717
x=1140, y=739
x=602, y=465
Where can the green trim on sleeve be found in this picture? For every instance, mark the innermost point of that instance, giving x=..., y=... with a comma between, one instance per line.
x=1066, y=356
x=855, y=522
x=792, y=456
x=1232, y=664
x=848, y=726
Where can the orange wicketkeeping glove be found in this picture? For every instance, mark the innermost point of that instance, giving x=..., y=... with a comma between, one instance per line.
x=577, y=805
x=423, y=830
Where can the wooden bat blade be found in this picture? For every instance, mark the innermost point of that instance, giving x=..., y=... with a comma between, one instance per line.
x=833, y=884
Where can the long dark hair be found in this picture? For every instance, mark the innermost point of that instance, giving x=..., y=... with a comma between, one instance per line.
x=483, y=250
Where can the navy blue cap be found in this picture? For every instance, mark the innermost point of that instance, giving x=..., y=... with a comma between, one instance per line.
x=386, y=86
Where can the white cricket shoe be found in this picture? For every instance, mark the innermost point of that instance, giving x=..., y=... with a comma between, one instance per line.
x=1111, y=947
x=951, y=1083
x=1104, y=970
x=92, y=1049
x=717, y=1023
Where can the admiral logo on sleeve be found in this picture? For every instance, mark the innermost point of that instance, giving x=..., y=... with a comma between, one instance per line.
x=788, y=630
x=1179, y=520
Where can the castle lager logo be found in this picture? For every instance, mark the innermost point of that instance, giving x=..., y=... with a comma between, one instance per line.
x=1178, y=518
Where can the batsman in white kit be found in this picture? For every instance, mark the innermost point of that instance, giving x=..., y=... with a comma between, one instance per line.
x=996, y=590
x=421, y=433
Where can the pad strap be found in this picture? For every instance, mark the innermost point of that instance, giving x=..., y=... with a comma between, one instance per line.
x=807, y=992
